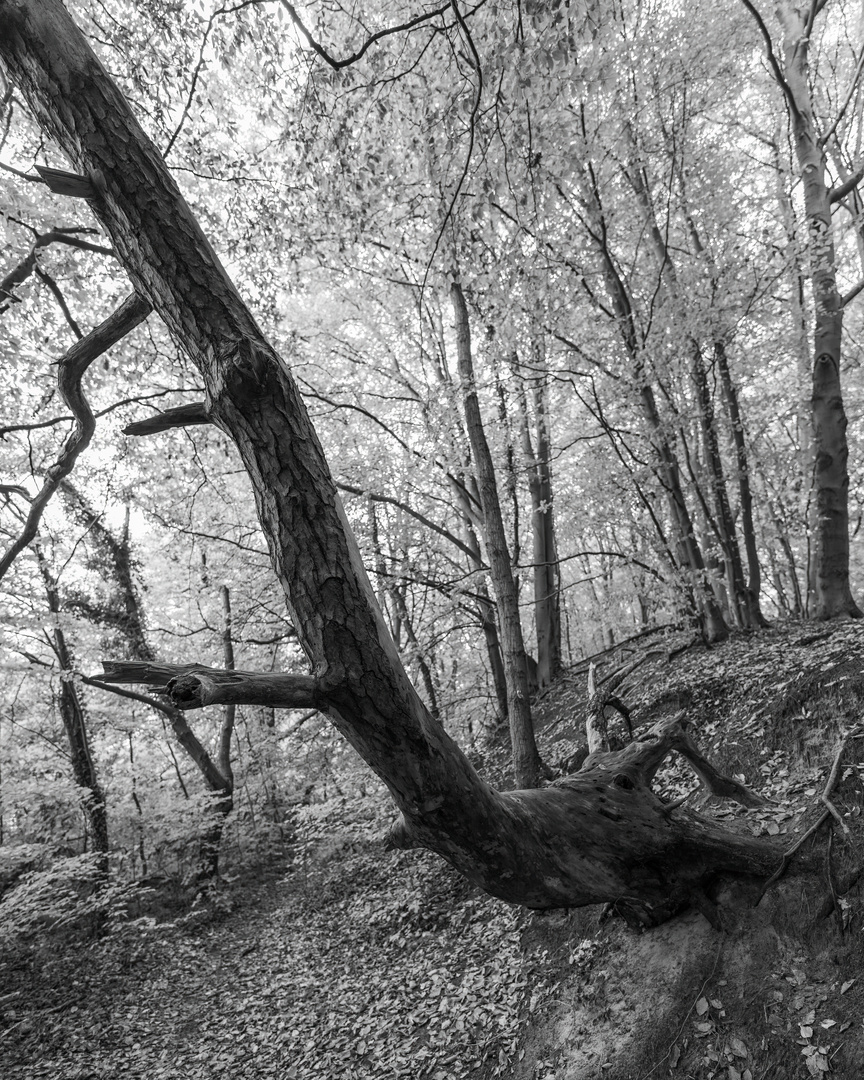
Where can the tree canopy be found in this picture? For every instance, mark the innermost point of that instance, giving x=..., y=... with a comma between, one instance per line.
x=567, y=295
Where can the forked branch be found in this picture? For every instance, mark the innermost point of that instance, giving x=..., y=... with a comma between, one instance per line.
x=70, y=371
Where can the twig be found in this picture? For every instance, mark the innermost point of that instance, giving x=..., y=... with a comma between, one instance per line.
x=823, y=817
x=832, y=780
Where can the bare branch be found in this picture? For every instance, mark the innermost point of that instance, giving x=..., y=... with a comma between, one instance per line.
x=72, y=185
x=182, y=416
x=194, y=686
x=853, y=292
x=472, y=555
x=772, y=59
x=19, y=273
x=183, y=733
x=849, y=95
x=70, y=371
x=337, y=65
x=838, y=193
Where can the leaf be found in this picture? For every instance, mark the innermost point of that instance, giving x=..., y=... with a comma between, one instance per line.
x=828, y=1023
x=674, y=1056
x=806, y=1031
x=737, y=1047
x=701, y=1006
x=847, y=985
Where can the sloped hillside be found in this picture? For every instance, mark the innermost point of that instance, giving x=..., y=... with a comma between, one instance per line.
x=350, y=961
x=780, y=992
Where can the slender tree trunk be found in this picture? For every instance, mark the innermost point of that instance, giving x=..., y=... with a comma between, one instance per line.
x=749, y=595
x=129, y=621
x=547, y=588
x=75, y=726
x=831, y=478
x=722, y=521
x=803, y=365
x=488, y=619
x=690, y=557
x=526, y=759
x=745, y=495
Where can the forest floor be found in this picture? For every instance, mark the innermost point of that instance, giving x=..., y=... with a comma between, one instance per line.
x=346, y=961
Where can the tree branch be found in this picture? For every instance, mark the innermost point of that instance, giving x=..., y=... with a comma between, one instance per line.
x=337, y=65
x=194, y=686
x=472, y=555
x=849, y=95
x=182, y=416
x=838, y=193
x=772, y=60
x=70, y=370
x=183, y=733
x=639, y=761
x=19, y=273
x=853, y=292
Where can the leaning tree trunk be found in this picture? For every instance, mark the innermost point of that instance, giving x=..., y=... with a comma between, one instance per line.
x=601, y=836
x=831, y=452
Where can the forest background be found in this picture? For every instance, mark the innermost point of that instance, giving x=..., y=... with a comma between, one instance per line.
x=570, y=293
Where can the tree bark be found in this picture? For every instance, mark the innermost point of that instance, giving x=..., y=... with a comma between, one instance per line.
x=547, y=586
x=601, y=836
x=75, y=726
x=526, y=759
x=831, y=478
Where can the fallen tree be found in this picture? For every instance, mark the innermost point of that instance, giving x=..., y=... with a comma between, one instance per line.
x=600, y=836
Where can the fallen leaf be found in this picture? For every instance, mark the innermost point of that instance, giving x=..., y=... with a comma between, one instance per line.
x=847, y=985
x=701, y=1006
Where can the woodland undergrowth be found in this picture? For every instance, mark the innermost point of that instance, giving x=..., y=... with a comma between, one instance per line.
x=342, y=960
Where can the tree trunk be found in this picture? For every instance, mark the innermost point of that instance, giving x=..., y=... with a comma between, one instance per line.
x=754, y=571
x=488, y=621
x=526, y=759
x=547, y=586
x=128, y=619
x=831, y=479
x=666, y=465
x=601, y=836
x=75, y=726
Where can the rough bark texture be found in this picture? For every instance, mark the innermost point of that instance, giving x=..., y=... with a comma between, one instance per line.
x=831, y=478
x=526, y=759
x=601, y=835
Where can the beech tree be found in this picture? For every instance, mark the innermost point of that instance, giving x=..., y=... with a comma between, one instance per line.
x=601, y=835
x=830, y=480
